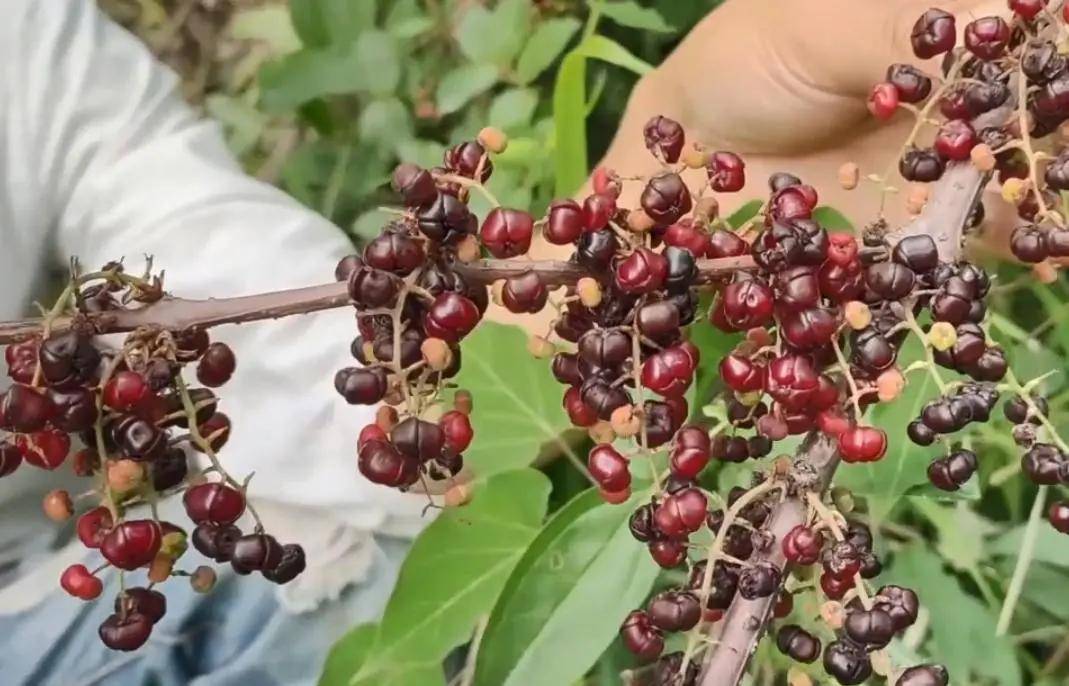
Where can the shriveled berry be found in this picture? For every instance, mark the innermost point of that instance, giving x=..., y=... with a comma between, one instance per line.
x=987, y=37
x=933, y=34
x=883, y=100
x=727, y=172
x=664, y=138
x=802, y=545
x=641, y=637
x=665, y=198
x=912, y=85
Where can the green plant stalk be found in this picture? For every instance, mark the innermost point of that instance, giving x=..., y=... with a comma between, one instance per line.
x=1024, y=561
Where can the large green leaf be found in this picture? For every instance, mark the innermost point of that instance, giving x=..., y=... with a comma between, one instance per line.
x=460, y=85
x=963, y=629
x=569, y=120
x=350, y=653
x=566, y=598
x=905, y=464
x=608, y=50
x=320, y=23
x=545, y=45
x=494, y=36
x=513, y=109
x=453, y=575
x=371, y=64
x=517, y=401
x=630, y=13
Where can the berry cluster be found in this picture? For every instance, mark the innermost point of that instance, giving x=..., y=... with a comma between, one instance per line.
x=129, y=407
x=821, y=318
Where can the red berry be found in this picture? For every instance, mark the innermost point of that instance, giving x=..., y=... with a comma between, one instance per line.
x=506, y=232
x=524, y=293
x=687, y=462
x=1027, y=9
x=681, y=513
x=791, y=381
x=93, y=526
x=955, y=140
x=641, y=637
x=802, y=545
x=727, y=172
x=668, y=372
x=564, y=222
x=723, y=243
x=382, y=463
x=740, y=374
x=605, y=181
x=641, y=272
x=456, y=428
x=598, y=209
x=664, y=138
x=450, y=317
x=832, y=423
x=609, y=468
x=1058, y=514
x=668, y=553
x=125, y=390
x=125, y=632
x=842, y=249
x=746, y=304
x=615, y=497
x=933, y=34
x=22, y=361
x=44, y=449
x=217, y=365
x=371, y=432
x=883, y=100
x=26, y=409
x=80, y=582
x=862, y=444
x=132, y=544
x=833, y=587
x=987, y=37
x=214, y=503
x=579, y=412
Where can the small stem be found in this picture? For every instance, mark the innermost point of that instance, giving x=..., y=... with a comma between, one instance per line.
x=1024, y=561
x=911, y=321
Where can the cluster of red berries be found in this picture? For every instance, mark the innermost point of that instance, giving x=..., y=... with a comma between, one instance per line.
x=122, y=405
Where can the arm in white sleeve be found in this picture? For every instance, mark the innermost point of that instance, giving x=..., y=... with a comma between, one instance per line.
x=132, y=171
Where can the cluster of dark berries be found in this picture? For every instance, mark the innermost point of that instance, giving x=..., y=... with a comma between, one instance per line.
x=970, y=402
x=128, y=407
x=1045, y=464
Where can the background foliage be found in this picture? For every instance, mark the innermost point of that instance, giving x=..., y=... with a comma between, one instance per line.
x=323, y=97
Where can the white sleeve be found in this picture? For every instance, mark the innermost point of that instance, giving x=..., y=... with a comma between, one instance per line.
x=132, y=171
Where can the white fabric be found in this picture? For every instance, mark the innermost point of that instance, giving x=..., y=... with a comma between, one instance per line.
x=101, y=160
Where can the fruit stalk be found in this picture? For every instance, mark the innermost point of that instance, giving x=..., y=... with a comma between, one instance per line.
x=945, y=218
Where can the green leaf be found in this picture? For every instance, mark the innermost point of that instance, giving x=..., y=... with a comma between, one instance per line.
x=454, y=573
x=569, y=121
x=494, y=36
x=320, y=23
x=385, y=122
x=462, y=84
x=518, y=407
x=905, y=464
x=269, y=25
x=544, y=46
x=608, y=50
x=832, y=219
x=966, y=644
x=371, y=64
x=350, y=652
x=744, y=214
x=566, y=598
x=960, y=532
x=407, y=20
x=1050, y=545
x=513, y=109
x=630, y=13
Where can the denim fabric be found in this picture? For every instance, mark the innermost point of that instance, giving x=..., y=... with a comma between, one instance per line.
x=236, y=635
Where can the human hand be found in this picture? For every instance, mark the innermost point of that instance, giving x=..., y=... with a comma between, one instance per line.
x=784, y=84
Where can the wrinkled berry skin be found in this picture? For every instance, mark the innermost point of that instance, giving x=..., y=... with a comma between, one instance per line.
x=664, y=138
x=666, y=198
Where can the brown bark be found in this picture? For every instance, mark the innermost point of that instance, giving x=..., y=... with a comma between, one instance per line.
x=944, y=218
x=176, y=314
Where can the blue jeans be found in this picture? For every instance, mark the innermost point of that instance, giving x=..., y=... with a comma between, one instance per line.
x=236, y=635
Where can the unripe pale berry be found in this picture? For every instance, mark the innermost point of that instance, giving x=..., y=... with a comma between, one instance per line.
x=458, y=495
x=436, y=353
x=468, y=249
x=540, y=348
x=493, y=139
x=639, y=222
x=857, y=314
x=625, y=423
x=124, y=475
x=160, y=569
x=916, y=198
x=1045, y=272
x=982, y=157
x=386, y=418
x=589, y=292
x=462, y=401
x=1014, y=190
x=58, y=506
x=601, y=432
x=849, y=175
x=694, y=156
x=202, y=579
x=942, y=336
x=889, y=385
